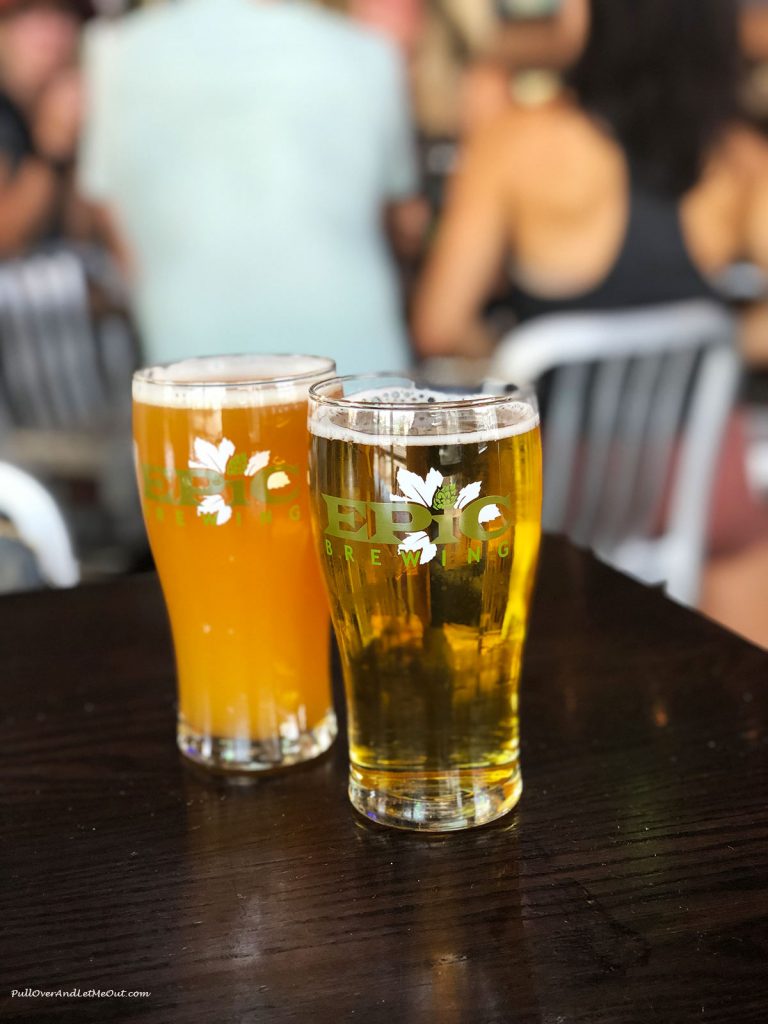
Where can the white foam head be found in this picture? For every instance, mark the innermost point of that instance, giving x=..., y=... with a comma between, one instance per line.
x=224, y=382
x=384, y=417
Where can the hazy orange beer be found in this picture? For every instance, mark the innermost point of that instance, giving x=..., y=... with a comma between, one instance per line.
x=221, y=455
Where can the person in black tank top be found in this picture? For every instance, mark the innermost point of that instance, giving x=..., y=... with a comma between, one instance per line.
x=656, y=88
x=653, y=266
x=659, y=80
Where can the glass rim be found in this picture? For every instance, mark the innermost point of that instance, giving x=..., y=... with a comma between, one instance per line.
x=479, y=401
x=325, y=365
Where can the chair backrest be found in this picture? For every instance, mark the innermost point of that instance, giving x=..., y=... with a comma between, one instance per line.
x=637, y=403
x=59, y=369
x=39, y=523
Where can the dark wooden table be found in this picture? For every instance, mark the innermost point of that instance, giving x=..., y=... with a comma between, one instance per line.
x=631, y=885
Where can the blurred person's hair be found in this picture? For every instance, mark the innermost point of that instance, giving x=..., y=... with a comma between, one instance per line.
x=664, y=76
x=80, y=8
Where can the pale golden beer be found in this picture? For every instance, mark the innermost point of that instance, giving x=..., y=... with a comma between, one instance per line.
x=427, y=511
x=221, y=456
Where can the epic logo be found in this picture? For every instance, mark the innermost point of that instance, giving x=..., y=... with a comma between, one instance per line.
x=191, y=487
x=349, y=520
x=218, y=481
x=426, y=502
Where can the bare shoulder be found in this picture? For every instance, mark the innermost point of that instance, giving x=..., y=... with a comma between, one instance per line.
x=537, y=149
x=743, y=152
x=557, y=124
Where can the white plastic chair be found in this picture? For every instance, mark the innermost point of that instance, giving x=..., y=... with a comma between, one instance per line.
x=637, y=406
x=39, y=524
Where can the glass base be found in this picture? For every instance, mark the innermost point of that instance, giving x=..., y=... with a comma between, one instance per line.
x=254, y=757
x=435, y=801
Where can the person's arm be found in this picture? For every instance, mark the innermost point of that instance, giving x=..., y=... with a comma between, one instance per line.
x=468, y=253
x=407, y=223
x=751, y=152
x=754, y=30
x=757, y=220
x=31, y=193
x=28, y=197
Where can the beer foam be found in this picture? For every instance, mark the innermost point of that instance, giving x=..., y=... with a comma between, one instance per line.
x=224, y=382
x=426, y=418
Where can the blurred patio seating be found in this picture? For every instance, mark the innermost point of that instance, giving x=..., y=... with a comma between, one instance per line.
x=636, y=405
x=67, y=352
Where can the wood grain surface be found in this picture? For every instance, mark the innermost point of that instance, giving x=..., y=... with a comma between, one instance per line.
x=631, y=884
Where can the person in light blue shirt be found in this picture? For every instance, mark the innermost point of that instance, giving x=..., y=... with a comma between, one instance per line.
x=248, y=154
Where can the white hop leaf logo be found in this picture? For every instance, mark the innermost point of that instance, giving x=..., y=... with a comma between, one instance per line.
x=217, y=458
x=418, y=490
x=257, y=462
x=214, y=505
x=278, y=480
x=211, y=456
x=471, y=493
x=468, y=494
x=488, y=513
x=421, y=491
x=419, y=542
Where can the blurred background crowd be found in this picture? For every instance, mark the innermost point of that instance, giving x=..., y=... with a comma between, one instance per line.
x=456, y=182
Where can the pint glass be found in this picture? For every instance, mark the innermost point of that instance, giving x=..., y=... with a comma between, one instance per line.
x=221, y=457
x=427, y=513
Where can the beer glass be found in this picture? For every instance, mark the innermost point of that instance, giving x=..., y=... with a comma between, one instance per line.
x=427, y=512
x=221, y=456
